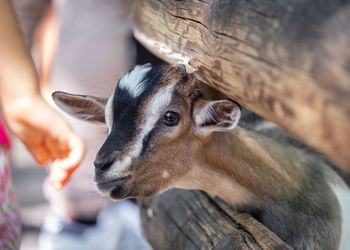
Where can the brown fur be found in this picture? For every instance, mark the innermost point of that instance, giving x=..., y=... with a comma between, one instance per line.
x=279, y=185
x=259, y=166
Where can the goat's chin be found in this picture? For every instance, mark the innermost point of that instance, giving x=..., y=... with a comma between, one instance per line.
x=114, y=189
x=115, y=194
x=125, y=187
x=140, y=191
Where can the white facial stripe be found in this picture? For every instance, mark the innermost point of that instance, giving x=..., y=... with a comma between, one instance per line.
x=132, y=81
x=118, y=167
x=109, y=113
x=154, y=110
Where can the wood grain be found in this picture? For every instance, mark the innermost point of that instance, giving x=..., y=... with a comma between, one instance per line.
x=288, y=61
x=179, y=219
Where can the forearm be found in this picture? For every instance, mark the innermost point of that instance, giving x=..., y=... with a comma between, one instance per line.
x=17, y=73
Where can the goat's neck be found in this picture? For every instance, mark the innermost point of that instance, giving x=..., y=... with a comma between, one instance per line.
x=242, y=167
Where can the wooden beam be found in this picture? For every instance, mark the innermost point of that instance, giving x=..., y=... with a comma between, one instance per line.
x=288, y=61
x=179, y=219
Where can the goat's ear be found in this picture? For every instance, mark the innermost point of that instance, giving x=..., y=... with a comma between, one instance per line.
x=220, y=115
x=87, y=108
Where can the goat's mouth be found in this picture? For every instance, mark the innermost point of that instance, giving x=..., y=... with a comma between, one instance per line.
x=114, y=188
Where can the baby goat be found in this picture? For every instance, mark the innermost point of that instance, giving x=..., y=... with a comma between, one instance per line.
x=167, y=129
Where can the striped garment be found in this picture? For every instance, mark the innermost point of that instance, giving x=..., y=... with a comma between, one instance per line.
x=10, y=225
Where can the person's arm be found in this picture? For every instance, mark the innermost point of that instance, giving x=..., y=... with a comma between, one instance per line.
x=44, y=132
x=15, y=62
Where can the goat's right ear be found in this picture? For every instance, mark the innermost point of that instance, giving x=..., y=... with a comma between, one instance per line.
x=84, y=107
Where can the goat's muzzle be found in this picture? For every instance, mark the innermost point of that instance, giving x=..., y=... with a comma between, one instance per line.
x=102, y=164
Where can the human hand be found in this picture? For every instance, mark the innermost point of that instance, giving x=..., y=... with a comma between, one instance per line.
x=46, y=135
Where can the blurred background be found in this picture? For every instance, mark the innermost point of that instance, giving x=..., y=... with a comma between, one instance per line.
x=81, y=47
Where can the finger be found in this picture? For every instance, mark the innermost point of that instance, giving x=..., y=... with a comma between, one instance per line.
x=58, y=176
x=56, y=148
x=62, y=169
x=76, y=153
x=60, y=173
x=40, y=154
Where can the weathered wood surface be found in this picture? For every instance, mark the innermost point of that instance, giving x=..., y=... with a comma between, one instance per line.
x=180, y=219
x=288, y=61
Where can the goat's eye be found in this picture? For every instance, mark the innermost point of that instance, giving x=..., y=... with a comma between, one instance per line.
x=171, y=118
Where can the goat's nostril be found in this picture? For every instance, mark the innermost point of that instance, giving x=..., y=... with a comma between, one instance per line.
x=103, y=164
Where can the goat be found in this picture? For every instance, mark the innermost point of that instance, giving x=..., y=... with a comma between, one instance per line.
x=168, y=129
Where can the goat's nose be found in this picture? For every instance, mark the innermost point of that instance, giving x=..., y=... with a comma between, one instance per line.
x=103, y=164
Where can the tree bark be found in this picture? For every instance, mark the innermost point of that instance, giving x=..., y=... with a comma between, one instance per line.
x=288, y=61
x=181, y=219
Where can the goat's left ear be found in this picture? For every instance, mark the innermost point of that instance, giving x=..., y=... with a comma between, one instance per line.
x=220, y=115
x=84, y=107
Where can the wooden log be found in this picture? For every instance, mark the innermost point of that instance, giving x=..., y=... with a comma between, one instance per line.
x=288, y=61
x=179, y=219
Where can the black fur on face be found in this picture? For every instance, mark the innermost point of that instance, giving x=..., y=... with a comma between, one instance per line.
x=126, y=110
